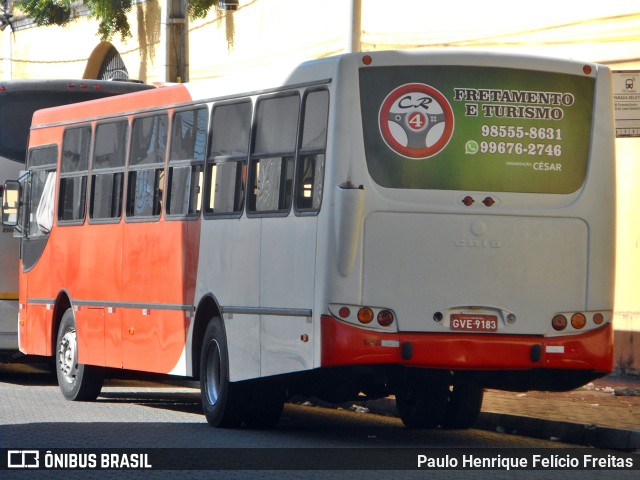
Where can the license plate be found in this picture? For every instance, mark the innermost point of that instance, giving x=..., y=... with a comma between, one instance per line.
x=474, y=323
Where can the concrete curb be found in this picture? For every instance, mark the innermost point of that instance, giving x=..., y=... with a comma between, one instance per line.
x=575, y=433
x=568, y=432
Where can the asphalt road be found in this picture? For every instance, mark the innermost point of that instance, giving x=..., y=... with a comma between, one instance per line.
x=138, y=415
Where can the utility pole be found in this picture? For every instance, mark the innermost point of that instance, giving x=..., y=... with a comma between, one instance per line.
x=176, y=41
x=354, y=26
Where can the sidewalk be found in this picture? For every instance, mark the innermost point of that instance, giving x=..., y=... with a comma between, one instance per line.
x=604, y=414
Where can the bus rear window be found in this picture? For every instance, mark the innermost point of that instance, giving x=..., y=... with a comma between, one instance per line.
x=476, y=128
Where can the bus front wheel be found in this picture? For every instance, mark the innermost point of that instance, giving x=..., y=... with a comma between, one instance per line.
x=77, y=381
x=223, y=402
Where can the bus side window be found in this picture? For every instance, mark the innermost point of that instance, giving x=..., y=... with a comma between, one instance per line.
x=186, y=161
x=76, y=144
x=271, y=163
x=107, y=171
x=42, y=162
x=311, y=159
x=146, y=166
x=227, y=162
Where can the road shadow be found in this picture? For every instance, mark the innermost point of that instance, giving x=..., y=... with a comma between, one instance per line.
x=28, y=372
x=185, y=402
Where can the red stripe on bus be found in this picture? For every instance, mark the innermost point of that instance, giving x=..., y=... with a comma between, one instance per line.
x=343, y=344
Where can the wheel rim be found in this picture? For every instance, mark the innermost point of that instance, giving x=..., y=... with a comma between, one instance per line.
x=68, y=356
x=212, y=372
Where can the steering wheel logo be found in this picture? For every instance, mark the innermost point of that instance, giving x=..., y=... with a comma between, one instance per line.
x=416, y=121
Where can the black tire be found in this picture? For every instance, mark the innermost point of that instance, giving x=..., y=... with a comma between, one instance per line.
x=224, y=402
x=465, y=403
x=266, y=405
x=77, y=382
x=422, y=402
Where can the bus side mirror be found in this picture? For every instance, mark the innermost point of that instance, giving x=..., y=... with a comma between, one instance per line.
x=10, y=203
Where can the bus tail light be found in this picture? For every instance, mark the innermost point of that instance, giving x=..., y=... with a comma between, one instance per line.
x=578, y=321
x=559, y=323
x=572, y=322
x=373, y=318
x=365, y=315
x=385, y=318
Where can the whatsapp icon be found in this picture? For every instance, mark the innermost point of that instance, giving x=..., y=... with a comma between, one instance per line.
x=471, y=148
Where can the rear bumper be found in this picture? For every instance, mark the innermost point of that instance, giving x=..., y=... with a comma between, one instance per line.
x=344, y=345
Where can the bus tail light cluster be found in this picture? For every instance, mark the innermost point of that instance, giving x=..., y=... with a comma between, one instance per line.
x=365, y=316
x=577, y=320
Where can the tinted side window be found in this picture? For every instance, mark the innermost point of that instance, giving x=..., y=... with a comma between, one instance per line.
x=311, y=158
x=76, y=144
x=227, y=164
x=146, y=166
x=107, y=173
x=42, y=163
x=186, y=162
x=271, y=164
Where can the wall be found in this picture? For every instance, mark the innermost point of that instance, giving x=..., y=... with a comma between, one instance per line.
x=63, y=52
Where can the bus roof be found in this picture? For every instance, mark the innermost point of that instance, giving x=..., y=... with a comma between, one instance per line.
x=267, y=80
x=19, y=99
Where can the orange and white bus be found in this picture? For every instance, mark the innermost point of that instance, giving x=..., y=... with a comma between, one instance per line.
x=18, y=100
x=419, y=224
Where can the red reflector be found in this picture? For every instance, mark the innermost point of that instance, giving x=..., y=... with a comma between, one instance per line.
x=385, y=318
x=344, y=312
x=559, y=323
x=70, y=85
x=97, y=87
x=598, y=318
x=488, y=202
x=2, y=89
x=468, y=201
x=84, y=86
x=367, y=59
x=587, y=69
x=365, y=315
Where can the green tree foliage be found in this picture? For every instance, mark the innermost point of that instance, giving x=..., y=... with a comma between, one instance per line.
x=110, y=14
x=200, y=8
x=46, y=12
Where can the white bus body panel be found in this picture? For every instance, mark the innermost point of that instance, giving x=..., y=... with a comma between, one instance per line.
x=418, y=264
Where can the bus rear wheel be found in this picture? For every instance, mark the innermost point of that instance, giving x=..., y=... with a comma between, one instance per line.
x=224, y=402
x=77, y=381
x=463, y=409
x=422, y=402
x=267, y=403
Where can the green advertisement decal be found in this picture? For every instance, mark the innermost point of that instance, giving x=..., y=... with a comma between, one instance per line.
x=474, y=128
